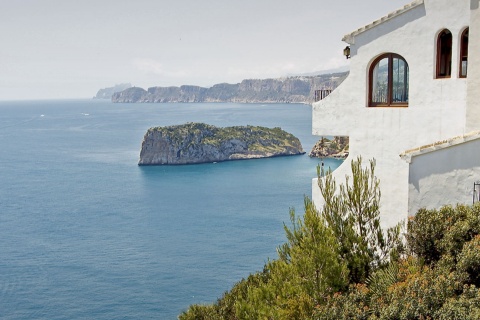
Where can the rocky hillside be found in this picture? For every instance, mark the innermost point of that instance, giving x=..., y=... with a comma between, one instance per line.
x=200, y=143
x=107, y=93
x=335, y=148
x=299, y=89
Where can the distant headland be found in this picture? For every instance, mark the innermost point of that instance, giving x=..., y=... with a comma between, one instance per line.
x=107, y=93
x=202, y=143
x=294, y=89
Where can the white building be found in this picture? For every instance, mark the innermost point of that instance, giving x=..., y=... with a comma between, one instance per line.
x=411, y=103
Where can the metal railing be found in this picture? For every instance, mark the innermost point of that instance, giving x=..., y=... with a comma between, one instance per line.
x=476, y=191
x=322, y=94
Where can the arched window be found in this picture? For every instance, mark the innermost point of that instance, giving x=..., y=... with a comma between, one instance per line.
x=388, y=81
x=444, y=54
x=463, y=54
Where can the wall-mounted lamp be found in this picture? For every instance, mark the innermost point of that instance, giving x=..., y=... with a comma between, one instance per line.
x=346, y=52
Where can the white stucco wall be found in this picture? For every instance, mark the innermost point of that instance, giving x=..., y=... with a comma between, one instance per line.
x=436, y=110
x=473, y=103
x=444, y=177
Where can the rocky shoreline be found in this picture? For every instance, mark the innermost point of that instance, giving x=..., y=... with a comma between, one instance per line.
x=336, y=148
x=202, y=143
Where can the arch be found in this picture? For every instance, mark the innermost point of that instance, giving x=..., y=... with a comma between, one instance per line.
x=388, y=81
x=444, y=54
x=463, y=61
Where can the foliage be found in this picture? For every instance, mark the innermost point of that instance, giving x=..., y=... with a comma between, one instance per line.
x=437, y=280
x=345, y=306
x=225, y=306
x=435, y=233
x=469, y=262
x=339, y=264
x=313, y=250
x=418, y=294
x=379, y=281
x=201, y=312
x=466, y=306
x=308, y=270
x=352, y=212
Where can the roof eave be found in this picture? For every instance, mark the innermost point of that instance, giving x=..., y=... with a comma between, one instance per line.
x=409, y=154
x=350, y=38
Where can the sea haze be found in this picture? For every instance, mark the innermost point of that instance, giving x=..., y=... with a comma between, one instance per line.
x=85, y=233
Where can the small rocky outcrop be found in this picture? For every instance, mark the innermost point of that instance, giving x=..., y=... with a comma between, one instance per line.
x=335, y=148
x=200, y=143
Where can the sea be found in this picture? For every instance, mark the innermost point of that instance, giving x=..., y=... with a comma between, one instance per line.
x=86, y=233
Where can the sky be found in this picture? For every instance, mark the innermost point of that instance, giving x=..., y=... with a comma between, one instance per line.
x=68, y=49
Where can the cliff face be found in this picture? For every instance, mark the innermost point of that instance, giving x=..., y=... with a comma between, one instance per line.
x=199, y=143
x=133, y=94
x=287, y=90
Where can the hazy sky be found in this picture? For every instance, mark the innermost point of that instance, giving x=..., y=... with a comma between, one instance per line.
x=72, y=48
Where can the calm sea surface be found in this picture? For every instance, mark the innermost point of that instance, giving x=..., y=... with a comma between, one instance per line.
x=85, y=233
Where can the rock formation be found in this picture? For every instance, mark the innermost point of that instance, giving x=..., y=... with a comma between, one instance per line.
x=298, y=89
x=107, y=93
x=335, y=148
x=200, y=143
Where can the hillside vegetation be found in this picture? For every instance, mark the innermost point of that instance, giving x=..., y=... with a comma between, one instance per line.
x=338, y=263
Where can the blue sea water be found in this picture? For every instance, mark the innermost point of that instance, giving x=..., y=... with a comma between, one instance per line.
x=85, y=233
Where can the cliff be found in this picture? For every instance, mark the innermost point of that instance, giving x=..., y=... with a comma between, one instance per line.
x=200, y=143
x=298, y=89
x=335, y=148
x=107, y=93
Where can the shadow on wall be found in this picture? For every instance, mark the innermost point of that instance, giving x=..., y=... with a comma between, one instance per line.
x=461, y=157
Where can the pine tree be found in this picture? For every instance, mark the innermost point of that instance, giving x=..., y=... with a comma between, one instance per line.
x=352, y=211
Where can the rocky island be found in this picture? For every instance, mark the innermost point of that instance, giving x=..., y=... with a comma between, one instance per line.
x=201, y=143
x=338, y=148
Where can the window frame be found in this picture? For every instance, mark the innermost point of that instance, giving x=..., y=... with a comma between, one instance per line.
x=390, y=103
x=463, y=53
x=442, y=58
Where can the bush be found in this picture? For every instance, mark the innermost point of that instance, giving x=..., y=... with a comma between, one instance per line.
x=464, y=307
x=200, y=312
x=418, y=294
x=345, y=306
x=469, y=262
x=436, y=233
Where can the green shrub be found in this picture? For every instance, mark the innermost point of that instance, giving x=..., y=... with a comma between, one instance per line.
x=200, y=312
x=436, y=233
x=464, y=307
x=469, y=261
x=345, y=306
x=418, y=294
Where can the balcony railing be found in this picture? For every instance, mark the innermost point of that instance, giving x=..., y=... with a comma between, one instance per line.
x=476, y=191
x=322, y=94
